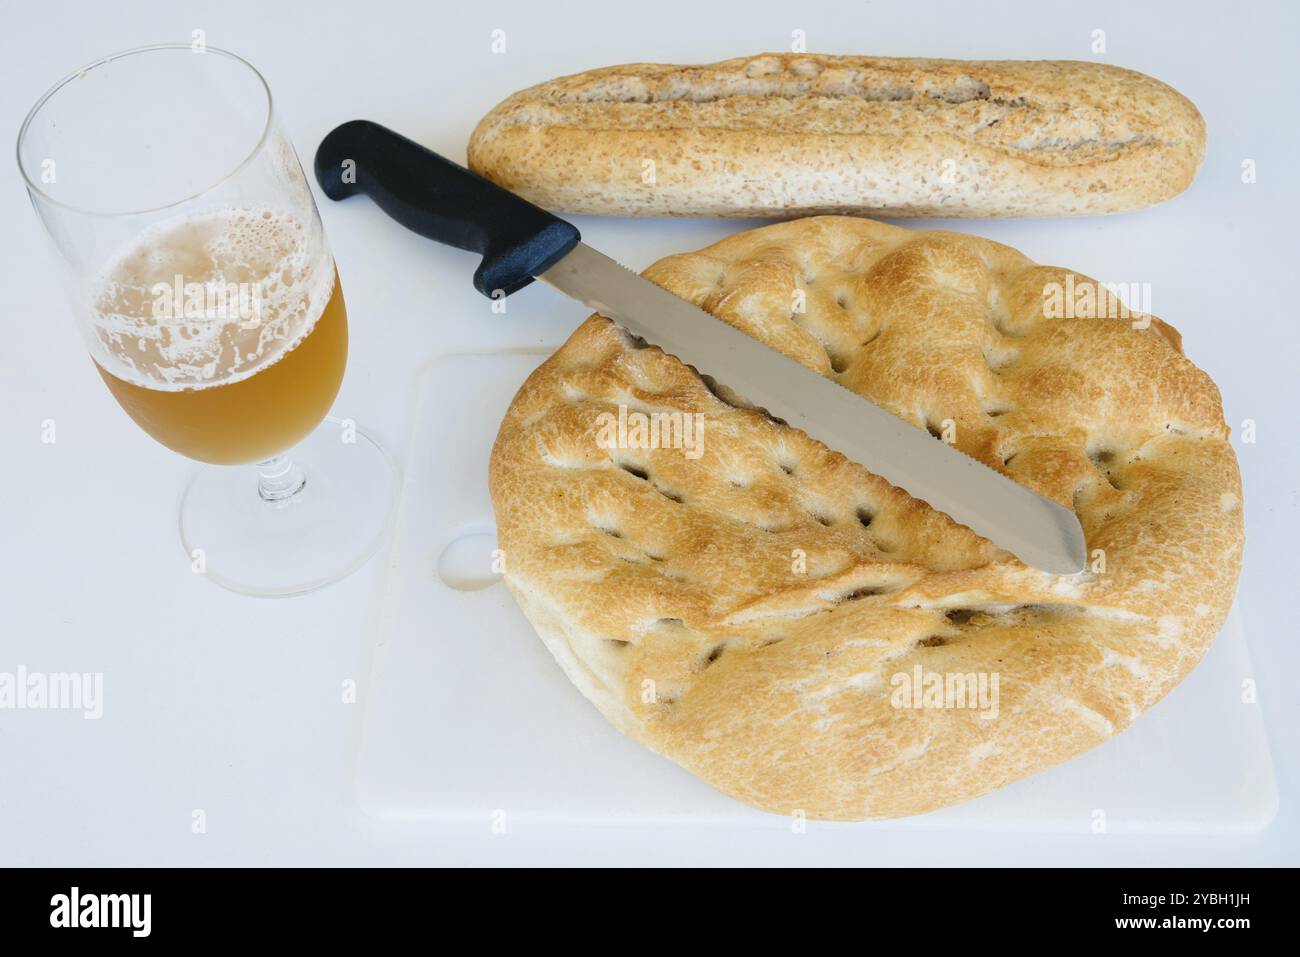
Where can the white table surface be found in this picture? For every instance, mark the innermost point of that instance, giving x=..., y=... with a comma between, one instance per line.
x=232, y=705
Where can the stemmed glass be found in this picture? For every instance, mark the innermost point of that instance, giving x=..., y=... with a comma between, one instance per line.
x=206, y=293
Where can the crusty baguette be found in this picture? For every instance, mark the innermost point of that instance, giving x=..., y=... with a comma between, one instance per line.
x=787, y=134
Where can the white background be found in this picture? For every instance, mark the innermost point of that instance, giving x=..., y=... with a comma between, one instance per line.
x=232, y=705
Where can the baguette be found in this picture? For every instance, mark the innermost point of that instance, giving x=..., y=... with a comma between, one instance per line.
x=800, y=134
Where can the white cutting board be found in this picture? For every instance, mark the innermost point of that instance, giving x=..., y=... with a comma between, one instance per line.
x=469, y=721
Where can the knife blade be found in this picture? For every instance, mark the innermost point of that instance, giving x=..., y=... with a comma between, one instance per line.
x=1037, y=530
x=519, y=242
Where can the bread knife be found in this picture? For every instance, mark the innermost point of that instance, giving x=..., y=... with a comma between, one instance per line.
x=520, y=242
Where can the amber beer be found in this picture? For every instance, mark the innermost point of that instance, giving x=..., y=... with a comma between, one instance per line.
x=223, y=335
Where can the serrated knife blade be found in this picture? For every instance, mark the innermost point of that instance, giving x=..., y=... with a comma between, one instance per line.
x=1037, y=530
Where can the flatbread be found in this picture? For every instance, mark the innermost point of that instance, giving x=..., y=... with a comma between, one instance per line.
x=763, y=611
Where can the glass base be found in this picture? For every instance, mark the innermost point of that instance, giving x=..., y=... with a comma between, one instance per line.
x=314, y=518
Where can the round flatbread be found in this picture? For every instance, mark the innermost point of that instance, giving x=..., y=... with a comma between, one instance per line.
x=810, y=639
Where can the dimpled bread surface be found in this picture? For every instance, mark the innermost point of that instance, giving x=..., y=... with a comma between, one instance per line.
x=672, y=590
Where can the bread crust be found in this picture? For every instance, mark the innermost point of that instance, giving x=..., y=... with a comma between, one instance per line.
x=669, y=589
x=802, y=134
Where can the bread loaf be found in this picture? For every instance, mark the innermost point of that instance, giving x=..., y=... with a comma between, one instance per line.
x=797, y=134
x=765, y=612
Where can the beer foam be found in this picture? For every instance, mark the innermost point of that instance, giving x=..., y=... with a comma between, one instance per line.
x=210, y=298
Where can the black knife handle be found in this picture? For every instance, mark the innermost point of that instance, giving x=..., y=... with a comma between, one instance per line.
x=445, y=202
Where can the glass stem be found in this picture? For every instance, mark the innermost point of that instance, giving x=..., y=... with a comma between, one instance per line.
x=279, y=479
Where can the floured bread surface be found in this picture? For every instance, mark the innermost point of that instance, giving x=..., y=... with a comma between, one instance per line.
x=766, y=613
x=800, y=133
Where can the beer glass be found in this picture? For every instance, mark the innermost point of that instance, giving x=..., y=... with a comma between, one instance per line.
x=207, y=296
